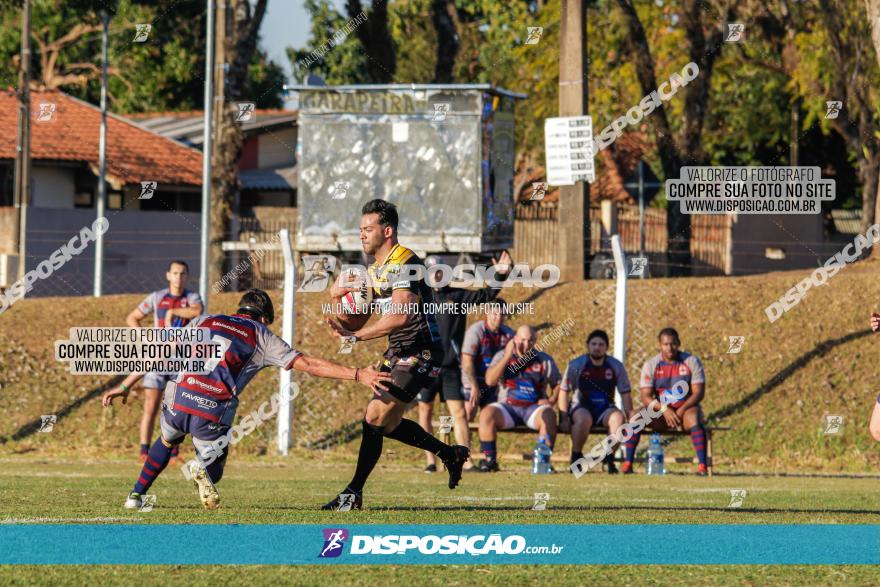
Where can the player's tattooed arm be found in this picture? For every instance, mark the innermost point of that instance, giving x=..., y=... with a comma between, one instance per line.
x=468, y=367
x=324, y=368
x=563, y=405
x=496, y=369
x=402, y=300
x=627, y=401
x=121, y=390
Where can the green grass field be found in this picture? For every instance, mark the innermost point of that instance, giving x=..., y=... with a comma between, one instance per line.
x=273, y=490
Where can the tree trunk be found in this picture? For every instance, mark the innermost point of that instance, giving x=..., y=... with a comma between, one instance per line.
x=872, y=7
x=447, y=40
x=376, y=40
x=241, y=43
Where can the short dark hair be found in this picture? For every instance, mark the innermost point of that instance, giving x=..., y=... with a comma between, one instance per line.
x=386, y=210
x=668, y=331
x=257, y=304
x=600, y=334
x=178, y=262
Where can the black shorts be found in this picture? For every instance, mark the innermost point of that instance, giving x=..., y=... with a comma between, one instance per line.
x=448, y=385
x=409, y=375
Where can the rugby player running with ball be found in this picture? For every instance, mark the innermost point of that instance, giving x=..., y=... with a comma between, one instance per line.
x=414, y=352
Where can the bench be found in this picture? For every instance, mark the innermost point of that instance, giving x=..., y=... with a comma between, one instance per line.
x=602, y=431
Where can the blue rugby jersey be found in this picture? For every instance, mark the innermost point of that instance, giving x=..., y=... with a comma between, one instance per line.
x=593, y=386
x=528, y=384
x=159, y=302
x=249, y=346
x=661, y=376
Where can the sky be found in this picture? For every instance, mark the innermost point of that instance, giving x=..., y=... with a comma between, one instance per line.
x=286, y=24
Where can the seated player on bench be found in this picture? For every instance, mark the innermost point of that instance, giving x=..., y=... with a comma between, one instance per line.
x=586, y=396
x=523, y=376
x=670, y=368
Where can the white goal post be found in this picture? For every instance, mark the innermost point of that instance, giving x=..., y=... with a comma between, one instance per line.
x=288, y=317
x=619, y=308
x=285, y=408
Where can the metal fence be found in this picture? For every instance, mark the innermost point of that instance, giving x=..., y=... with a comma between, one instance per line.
x=536, y=232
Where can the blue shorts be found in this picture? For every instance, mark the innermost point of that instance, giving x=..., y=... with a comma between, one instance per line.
x=599, y=413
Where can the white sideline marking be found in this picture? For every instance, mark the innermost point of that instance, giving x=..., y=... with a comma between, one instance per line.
x=61, y=520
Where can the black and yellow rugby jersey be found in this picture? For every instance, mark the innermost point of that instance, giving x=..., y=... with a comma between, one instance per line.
x=420, y=333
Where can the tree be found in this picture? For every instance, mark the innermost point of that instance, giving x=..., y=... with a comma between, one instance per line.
x=376, y=40
x=687, y=148
x=241, y=34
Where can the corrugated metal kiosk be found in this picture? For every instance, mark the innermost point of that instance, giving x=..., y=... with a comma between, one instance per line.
x=444, y=154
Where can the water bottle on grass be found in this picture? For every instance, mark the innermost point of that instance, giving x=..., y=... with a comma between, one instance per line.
x=541, y=457
x=655, y=456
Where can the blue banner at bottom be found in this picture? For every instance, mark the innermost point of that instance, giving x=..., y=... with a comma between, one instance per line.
x=441, y=544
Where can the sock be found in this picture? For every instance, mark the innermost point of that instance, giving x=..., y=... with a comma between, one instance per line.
x=157, y=460
x=175, y=452
x=368, y=456
x=609, y=458
x=409, y=432
x=145, y=448
x=698, y=438
x=575, y=455
x=488, y=449
x=630, y=447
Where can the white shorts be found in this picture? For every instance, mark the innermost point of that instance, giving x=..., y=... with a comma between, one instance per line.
x=514, y=415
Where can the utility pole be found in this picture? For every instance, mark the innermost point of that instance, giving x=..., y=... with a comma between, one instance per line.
x=101, y=204
x=574, y=200
x=206, y=156
x=23, y=152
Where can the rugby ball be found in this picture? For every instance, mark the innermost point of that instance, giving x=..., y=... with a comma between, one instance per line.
x=356, y=302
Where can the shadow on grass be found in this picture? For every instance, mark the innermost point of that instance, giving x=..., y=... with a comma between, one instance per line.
x=603, y=507
x=799, y=363
x=34, y=425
